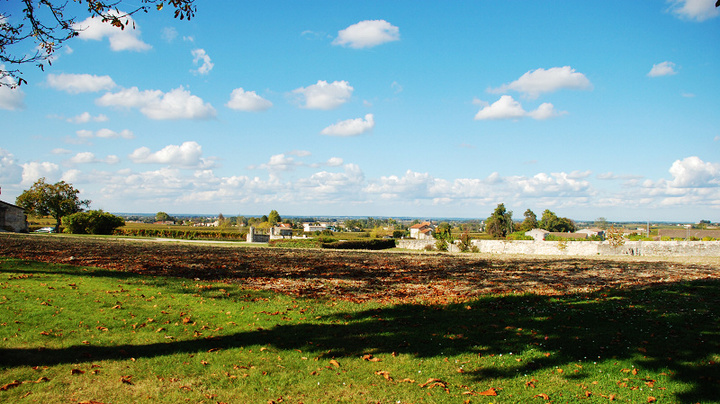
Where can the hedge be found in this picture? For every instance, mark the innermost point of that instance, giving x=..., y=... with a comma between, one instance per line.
x=182, y=234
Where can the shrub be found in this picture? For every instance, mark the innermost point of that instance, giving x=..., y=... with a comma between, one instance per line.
x=441, y=245
x=295, y=243
x=518, y=235
x=92, y=222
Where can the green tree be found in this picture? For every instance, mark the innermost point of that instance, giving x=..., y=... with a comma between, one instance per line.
x=530, y=221
x=46, y=24
x=500, y=223
x=163, y=217
x=601, y=223
x=55, y=200
x=274, y=217
x=551, y=222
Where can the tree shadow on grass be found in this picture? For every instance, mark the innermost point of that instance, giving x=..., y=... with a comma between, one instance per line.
x=665, y=328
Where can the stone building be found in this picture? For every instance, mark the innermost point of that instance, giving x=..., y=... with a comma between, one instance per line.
x=12, y=218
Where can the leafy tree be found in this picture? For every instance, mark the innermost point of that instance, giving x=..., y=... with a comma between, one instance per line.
x=274, y=217
x=45, y=23
x=500, y=223
x=163, y=217
x=92, y=222
x=601, y=223
x=264, y=219
x=551, y=222
x=530, y=221
x=56, y=200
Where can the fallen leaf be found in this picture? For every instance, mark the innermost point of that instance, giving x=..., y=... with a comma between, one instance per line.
x=651, y=399
x=76, y=372
x=543, y=396
x=126, y=380
x=489, y=392
x=370, y=358
x=334, y=363
x=433, y=383
x=10, y=385
x=384, y=374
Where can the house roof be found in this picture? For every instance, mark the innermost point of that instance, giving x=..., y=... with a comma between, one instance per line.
x=420, y=225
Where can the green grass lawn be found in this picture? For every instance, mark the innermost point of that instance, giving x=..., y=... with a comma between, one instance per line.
x=78, y=334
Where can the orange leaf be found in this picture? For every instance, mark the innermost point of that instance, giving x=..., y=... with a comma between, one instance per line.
x=14, y=383
x=334, y=363
x=489, y=392
x=651, y=399
x=384, y=374
x=543, y=396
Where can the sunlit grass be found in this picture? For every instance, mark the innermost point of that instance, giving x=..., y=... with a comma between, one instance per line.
x=72, y=334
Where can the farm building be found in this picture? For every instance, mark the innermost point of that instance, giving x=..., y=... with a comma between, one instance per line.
x=421, y=231
x=12, y=218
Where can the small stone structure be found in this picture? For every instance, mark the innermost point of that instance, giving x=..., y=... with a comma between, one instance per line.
x=12, y=218
x=274, y=233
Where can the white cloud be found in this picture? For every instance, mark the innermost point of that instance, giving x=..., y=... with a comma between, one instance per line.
x=89, y=157
x=536, y=82
x=334, y=162
x=692, y=172
x=186, y=155
x=92, y=28
x=10, y=171
x=367, y=34
x=154, y=104
x=242, y=100
x=325, y=96
x=80, y=83
x=169, y=34
x=106, y=134
x=33, y=171
x=207, y=64
x=10, y=98
x=699, y=10
x=662, y=69
x=85, y=117
x=278, y=162
x=508, y=108
x=351, y=127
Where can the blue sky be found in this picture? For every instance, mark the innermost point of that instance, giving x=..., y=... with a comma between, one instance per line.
x=376, y=108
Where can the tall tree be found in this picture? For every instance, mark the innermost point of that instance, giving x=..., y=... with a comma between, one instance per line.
x=551, y=222
x=55, y=200
x=530, y=221
x=274, y=217
x=500, y=223
x=45, y=23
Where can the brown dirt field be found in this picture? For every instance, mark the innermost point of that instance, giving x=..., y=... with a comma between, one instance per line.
x=361, y=275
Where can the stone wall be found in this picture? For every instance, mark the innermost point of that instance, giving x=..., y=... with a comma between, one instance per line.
x=583, y=248
x=12, y=218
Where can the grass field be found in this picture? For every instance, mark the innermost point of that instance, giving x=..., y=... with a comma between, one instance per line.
x=85, y=334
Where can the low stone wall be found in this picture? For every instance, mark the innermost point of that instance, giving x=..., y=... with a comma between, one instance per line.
x=583, y=248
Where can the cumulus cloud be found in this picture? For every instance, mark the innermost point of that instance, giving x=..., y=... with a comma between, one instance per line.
x=367, y=34
x=86, y=117
x=80, y=83
x=106, y=134
x=350, y=127
x=508, y=108
x=92, y=28
x=278, y=162
x=33, y=171
x=154, y=104
x=207, y=64
x=324, y=95
x=186, y=155
x=10, y=98
x=536, y=82
x=89, y=157
x=698, y=10
x=10, y=170
x=662, y=69
x=692, y=172
x=242, y=100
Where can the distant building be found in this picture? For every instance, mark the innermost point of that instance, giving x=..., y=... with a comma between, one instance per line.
x=421, y=231
x=592, y=232
x=12, y=218
x=311, y=227
x=537, y=234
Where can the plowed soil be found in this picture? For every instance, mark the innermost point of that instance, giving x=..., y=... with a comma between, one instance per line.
x=360, y=275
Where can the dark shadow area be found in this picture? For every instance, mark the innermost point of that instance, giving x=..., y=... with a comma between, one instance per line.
x=670, y=328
